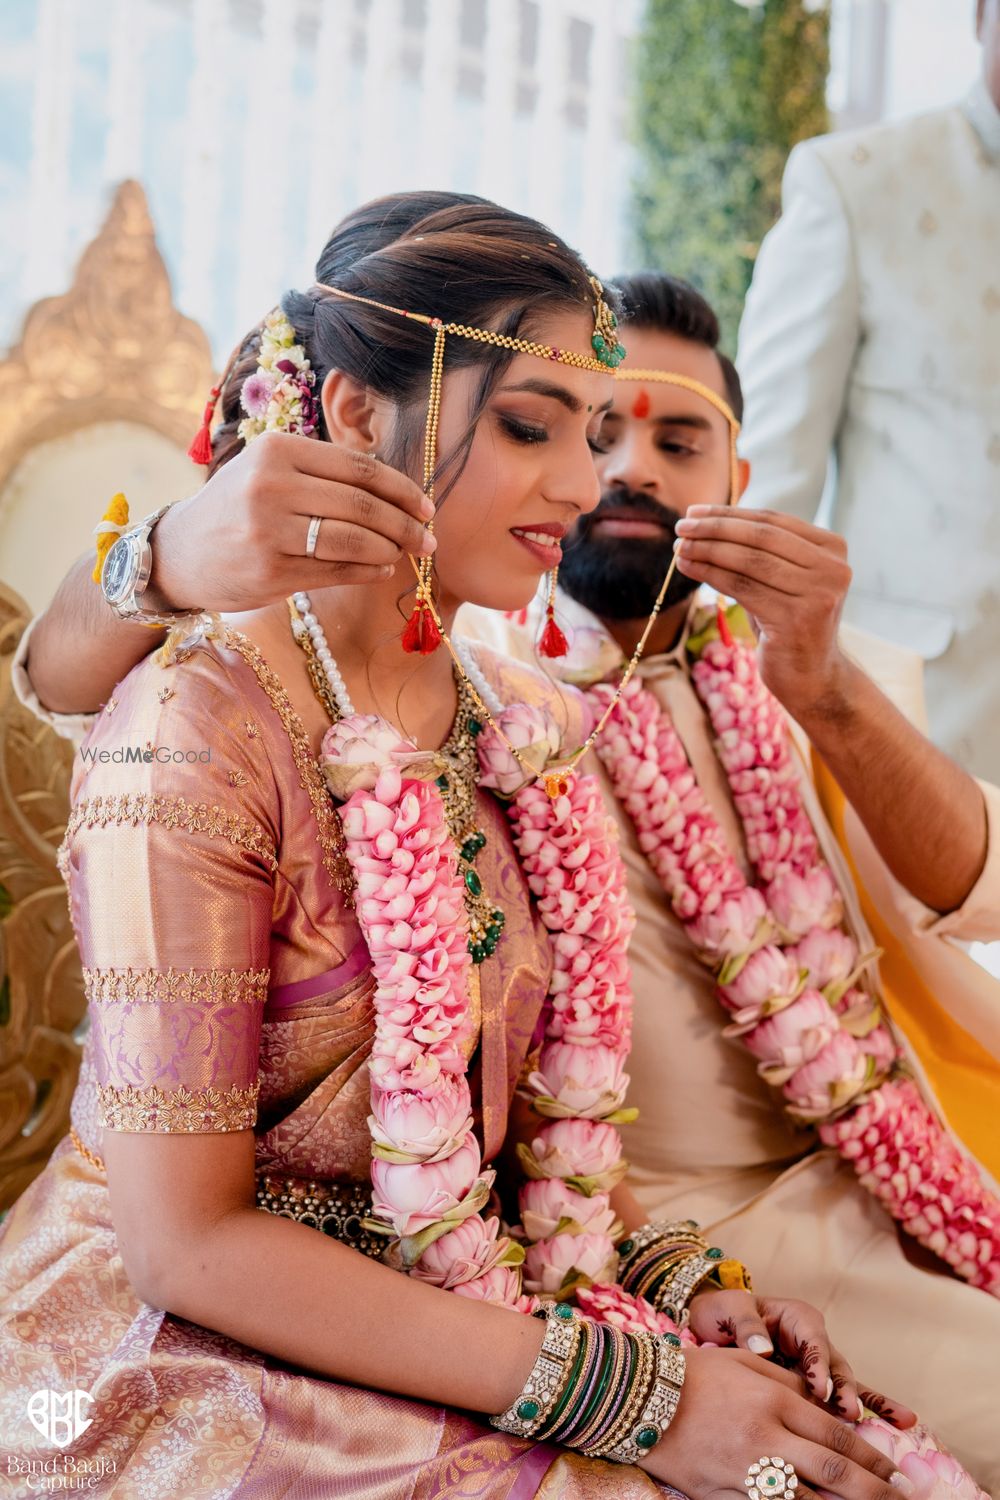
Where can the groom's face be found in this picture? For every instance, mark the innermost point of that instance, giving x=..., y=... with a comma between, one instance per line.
x=663, y=450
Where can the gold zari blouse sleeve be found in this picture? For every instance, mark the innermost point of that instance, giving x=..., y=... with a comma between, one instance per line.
x=170, y=866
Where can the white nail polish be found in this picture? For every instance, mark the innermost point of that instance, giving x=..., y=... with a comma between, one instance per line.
x=829, y=1389
x=757, y=1343
x=900, y=1481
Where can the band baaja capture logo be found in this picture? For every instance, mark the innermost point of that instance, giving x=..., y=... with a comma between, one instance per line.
x=59, y=1416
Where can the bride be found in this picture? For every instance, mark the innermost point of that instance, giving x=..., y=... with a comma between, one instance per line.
x=331, y=919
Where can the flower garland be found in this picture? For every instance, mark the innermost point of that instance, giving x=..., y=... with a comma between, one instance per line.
x=429, y=1186
x=787, y=970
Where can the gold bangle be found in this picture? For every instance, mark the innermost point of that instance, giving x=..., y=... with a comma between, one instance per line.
x=548, y=1375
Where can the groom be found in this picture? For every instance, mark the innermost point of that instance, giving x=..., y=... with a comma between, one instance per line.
x=712, y=1138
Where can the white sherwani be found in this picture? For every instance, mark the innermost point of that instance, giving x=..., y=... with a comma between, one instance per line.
x=872, y=329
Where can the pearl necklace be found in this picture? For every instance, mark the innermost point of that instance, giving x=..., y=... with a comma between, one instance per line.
x=338, y=687
x=325, y=657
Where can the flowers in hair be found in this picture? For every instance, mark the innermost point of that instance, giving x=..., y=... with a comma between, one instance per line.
x=278, y=395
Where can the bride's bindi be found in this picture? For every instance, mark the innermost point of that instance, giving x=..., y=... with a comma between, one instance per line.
x=640, y=406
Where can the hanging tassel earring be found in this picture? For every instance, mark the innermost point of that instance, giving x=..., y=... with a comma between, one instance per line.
x=421, y=635
x=200, y=451
x=552, y=641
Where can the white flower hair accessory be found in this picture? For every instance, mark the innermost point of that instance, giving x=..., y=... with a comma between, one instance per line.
x=278, y=396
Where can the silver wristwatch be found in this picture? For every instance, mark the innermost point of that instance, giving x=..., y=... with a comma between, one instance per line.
x=125, y=575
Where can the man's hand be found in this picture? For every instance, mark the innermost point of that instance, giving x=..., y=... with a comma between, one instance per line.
x=239, y=542
x=795, y=1334
x=791, y=578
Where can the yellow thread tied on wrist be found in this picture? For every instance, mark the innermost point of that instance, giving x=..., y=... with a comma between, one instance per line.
x=108, y=530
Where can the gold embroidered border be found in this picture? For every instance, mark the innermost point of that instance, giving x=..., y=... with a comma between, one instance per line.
x=170, y=812
x=193, y=986
x=331, y=837
x=179, y=1111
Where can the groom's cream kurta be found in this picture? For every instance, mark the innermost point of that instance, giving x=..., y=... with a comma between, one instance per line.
x=711, y=1142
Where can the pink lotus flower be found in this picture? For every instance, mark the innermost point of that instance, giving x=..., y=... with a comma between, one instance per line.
x=532, y=731
x=360, y=746
x=472, y=1249
x=501, y=1285
x=413, y=1198
x=577, y=1148
x=795, y=1035
x=409, y=1126
x=880, y=1047
x=829, y=954
x=734, y=927
x=588, y=1082
x=768, y=975
x=915, y=1451
x=553, y=1264
x=547, y=1203
x=801, y=902
x=830, y=1079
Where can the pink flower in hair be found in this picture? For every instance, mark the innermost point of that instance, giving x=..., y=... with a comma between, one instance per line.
x=256, y=393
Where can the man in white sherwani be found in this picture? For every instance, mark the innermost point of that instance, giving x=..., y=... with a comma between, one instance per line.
x=872, y=330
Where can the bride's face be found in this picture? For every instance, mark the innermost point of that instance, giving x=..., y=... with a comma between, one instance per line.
x=529, y=474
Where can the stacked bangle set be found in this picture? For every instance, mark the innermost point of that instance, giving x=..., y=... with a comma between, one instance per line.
x=667, y=1263
x=606, y=1393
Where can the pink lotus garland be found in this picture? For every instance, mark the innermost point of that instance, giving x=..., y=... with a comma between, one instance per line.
x=429, y=1188
x=787, y=970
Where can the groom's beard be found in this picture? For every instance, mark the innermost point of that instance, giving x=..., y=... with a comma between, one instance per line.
x=616, y=577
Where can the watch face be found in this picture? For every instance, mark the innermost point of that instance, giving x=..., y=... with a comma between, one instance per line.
x=119, y=572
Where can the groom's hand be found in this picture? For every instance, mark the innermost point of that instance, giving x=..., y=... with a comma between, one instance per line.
x=239, y=542
x=791, y=578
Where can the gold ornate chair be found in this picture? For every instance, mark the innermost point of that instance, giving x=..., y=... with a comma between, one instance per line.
x=102, y=393
x=41, y=993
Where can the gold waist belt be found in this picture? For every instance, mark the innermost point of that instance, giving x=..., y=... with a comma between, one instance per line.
x=339, y=1209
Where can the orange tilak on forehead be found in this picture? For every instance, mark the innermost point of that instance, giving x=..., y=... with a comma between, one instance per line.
x=641, y=404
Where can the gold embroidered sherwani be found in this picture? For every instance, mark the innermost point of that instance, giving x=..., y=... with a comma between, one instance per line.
x=711, y=1140
x=229, y=986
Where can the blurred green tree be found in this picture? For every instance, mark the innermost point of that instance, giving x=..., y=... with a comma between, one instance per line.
x=724, y=90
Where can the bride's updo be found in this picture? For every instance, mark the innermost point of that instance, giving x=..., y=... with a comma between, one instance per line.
x=450, y=255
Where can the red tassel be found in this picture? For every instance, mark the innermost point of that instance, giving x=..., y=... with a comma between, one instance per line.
x=725, y=634
x=421, y=635
x=200, y=451
x=553, y=642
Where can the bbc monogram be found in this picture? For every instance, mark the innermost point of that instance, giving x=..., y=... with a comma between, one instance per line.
x=58, y=1415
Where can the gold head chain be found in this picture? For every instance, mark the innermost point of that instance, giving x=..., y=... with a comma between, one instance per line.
x=607, y=356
